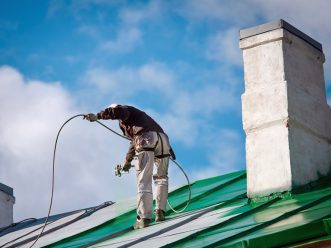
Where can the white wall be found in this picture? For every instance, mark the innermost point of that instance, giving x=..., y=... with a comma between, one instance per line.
x=285, y=114
x=6, y=208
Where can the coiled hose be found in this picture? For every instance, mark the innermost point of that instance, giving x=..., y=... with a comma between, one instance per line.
x=53, y=175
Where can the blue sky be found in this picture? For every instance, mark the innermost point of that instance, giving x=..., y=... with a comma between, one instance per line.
x=178, y=60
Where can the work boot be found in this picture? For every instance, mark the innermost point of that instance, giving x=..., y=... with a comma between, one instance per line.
x=141, y=223
x=159, y=215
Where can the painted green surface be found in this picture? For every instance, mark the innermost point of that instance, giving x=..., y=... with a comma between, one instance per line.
x=280, y=220
x=204, y=193
x=255, y=228
x=288, y=236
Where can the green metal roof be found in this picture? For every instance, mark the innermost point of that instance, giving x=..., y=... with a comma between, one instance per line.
x=219, y=215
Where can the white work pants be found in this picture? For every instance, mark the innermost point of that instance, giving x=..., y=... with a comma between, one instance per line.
x=144, y=170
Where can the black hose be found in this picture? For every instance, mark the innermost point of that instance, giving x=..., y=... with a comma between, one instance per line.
x=122, y=136
x=86, y=213
x=173, y=160
x=53, y=174
x=190, y=190
x=53, y=177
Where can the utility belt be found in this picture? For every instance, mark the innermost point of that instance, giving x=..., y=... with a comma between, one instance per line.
x=152, y=149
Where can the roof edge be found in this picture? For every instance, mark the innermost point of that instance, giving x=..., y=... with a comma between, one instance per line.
x=6, y=189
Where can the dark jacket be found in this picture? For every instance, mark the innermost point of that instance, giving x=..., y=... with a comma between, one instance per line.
x=132, y=121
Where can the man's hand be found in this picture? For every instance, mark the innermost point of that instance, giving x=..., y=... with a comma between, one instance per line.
x=91, y=117
x=126, y=166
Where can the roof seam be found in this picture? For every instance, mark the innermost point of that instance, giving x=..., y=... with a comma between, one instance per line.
x=224, y=223
x=319, y=226
x=86, y=213
x=195, y=216
x=208, y=192
x=270, y=222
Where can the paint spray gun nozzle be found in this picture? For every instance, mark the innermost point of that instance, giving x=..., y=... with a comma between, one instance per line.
x=118, y=170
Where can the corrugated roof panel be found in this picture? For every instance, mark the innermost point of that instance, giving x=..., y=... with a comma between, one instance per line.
x=171, y=230
x=315, y=230
x=219, y=215
x=260, y=223
x=33, y=230
x=58, y=228
x=201, y=190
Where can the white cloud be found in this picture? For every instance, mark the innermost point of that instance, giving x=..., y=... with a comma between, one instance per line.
x=129, y=34
x=311, y=17
x=181, y=128
x=126, y=81
x=54, y=7
x=182, y=106
x=127, y=39
x=71, y=59
x=298, y=12
x=226, y=154
x=101, y=78
x=207, y=100
x=134, y=15
x=226, y=151
x=225, y=10
x=32, y=57
x=223, y=47
x=32, y=113
x=122, y=38
x=89, y=30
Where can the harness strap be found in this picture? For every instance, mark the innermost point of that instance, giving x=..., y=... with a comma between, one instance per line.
x=160, y=138
x=147, y=149
x=163, y=156
x=152, y=149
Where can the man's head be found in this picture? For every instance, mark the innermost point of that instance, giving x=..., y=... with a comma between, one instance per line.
x=117, y=111
x=113, y=105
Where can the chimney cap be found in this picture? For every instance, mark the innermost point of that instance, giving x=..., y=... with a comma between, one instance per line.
x=8, y=190
x=277, y=24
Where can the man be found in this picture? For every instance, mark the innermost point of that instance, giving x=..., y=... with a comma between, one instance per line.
x=151, y=144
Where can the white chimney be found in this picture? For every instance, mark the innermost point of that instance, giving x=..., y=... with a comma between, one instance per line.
x=285, y=113
x=7, y=201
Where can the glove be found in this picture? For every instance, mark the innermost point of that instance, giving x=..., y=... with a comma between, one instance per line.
x=126, y=166
x=91, y=117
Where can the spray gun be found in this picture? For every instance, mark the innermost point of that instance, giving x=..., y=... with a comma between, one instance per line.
x=119, y=170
